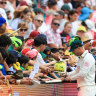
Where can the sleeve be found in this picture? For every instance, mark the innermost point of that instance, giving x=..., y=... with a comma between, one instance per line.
x=71, y=73
x=85, y=68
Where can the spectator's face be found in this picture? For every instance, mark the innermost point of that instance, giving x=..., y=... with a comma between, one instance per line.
x=54, y=8
x=80, y=33
x=38, y=22
x=68, y=28
x=3, y=4
x=27, y=16
x=42, y=47
x=77, y=51
x=87, y=46
x=22, y=31
x=3, y=28
x=74, y=17
x=55, y=25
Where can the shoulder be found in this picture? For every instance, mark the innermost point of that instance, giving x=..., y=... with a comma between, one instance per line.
x=89, y=58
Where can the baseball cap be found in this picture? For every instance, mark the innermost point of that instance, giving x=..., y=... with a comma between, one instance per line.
x=16, y=42
x=81, y=28
x=66, y=7
x=34, y=34
x=2, y=21
x=30, y=42
x=24, y=51
x=32, y=53
x=75, y=44
x=38, y=10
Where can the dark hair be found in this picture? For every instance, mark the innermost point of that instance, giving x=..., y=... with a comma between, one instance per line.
x=84, y=24
x=54, y=50
x=26, y=10
x=78, y=5
x=23, y=59
x=3, y=52
x=54, y=20
x=62, y=49
x=72, y=12
x=51, y=3
x=4, y=41
x=67, y=23
x=61, y=13
x=10, y=59
x=40, y=40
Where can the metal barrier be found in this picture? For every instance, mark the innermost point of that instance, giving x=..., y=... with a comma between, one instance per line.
x=62, y=89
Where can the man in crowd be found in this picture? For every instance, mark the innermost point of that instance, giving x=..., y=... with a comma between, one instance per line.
x=53, y=37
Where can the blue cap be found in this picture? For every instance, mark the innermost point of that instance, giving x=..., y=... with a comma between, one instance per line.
x=2, y=21
x=85, y=12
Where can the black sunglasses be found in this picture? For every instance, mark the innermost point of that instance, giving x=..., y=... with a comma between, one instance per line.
x=56, y=24
x=40, y=21
x=23, y=29
x=3, y=2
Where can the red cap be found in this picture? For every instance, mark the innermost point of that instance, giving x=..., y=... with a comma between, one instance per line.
x=34, y=34
x=24, y=51
x=22, y=3
x=30, y=42
x=31, y=54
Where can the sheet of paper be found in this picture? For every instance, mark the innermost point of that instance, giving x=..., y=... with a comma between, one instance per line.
x=36, y=68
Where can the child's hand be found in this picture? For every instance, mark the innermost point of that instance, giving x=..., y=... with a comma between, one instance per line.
x=53, y=62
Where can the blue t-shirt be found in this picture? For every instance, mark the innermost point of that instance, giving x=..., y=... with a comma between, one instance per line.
x=2, y=69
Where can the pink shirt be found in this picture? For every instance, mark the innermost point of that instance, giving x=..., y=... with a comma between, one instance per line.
x=53, y=37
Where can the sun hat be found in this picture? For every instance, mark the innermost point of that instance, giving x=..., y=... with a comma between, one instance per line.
x=81, y=28
x=85, y=12
x=85, y=38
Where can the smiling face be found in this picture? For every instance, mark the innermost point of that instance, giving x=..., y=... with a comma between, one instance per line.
x=38, y=22
x=22, y=31
x=68, y=28
x=74, y=17
x=3, y=4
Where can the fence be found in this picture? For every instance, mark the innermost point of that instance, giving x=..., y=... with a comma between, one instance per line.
x=63, y=89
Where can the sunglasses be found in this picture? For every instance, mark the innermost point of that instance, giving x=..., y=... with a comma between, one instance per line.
x=23, y=29
x=56, y=24
x=3, y=2
x=40, y=21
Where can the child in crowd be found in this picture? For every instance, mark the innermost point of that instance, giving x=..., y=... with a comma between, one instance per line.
x=3, y=65
x=23, y=60
x=11, y=59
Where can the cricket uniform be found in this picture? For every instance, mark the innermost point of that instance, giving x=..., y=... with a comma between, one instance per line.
x=85, y=75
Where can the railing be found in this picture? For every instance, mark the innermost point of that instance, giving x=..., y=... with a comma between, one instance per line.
x=62, y=89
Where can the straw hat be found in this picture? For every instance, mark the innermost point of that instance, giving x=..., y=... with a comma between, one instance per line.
x=85, y=38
